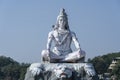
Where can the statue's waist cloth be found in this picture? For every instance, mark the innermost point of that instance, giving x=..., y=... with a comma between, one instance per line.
x=66, y=55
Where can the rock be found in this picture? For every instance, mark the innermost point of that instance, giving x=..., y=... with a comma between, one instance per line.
x=61, y=71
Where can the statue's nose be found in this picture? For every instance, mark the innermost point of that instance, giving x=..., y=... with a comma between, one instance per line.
x=63, y=69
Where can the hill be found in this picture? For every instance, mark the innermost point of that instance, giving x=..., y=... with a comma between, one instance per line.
x=101, y=63
x=11, y=69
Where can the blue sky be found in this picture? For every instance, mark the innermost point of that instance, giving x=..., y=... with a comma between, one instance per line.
x=24, y=26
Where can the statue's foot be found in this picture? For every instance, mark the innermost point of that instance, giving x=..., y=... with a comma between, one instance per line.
x=55, y=61
x=81, y=60
x=45, y=60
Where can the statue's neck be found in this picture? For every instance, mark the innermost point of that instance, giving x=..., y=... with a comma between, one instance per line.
x=62, y=31
x=61, y=28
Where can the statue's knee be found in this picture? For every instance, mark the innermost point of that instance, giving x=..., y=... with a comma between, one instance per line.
x=44, y=53
x=83, y=52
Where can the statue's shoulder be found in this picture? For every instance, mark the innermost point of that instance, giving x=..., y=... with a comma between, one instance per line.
x=72, y=33
x=51, y=33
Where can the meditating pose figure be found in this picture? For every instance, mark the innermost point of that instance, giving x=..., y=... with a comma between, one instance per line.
x=62, y=37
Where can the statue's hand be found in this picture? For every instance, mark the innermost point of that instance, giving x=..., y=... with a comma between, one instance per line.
x=59, y=54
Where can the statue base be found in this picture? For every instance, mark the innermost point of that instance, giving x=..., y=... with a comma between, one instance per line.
x=61, y=71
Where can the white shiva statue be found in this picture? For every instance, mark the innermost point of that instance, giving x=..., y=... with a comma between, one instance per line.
x=62, y=37
x=63, y=63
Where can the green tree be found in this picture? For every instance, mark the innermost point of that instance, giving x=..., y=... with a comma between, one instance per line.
x=116, y=70
x=23, y=70
x=6, y=61
x=101, y=63
x=11, y=69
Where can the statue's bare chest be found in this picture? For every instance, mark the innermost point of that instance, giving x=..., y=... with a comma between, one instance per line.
x=61, y=37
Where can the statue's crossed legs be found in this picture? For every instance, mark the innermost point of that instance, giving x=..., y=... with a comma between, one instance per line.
x=73, y=57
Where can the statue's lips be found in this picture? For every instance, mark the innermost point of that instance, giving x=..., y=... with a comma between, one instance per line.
x=63, y=75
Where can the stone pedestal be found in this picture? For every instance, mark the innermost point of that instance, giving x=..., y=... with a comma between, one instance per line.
x=61, y=71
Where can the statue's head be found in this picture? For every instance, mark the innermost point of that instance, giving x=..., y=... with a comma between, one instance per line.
x=63, y=72
x=62, y=20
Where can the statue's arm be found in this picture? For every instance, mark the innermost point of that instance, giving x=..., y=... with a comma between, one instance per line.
x=49, y=41
x=75, y=40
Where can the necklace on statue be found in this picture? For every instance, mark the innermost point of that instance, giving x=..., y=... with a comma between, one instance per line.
x=62, y=34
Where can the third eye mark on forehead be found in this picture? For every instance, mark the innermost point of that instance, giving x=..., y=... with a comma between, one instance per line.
x=61, y=19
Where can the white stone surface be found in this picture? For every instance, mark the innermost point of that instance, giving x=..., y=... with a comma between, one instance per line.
x=62, y=37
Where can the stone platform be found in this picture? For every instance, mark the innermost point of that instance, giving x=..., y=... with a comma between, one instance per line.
x=61, y=71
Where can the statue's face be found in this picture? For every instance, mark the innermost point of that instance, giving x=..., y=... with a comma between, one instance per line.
x=62, y=22
x=63, y=72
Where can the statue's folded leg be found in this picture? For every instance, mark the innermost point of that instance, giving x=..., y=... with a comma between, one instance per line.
x=50, y=56
x=75, y=56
